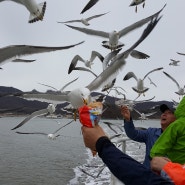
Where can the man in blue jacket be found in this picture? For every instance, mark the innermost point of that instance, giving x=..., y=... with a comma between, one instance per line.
x=125, y=168
x=150, y=135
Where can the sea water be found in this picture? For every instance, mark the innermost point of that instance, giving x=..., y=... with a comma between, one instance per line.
x=33, y=159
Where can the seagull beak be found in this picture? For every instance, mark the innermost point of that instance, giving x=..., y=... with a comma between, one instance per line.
x=40, y=17
x=85, y=101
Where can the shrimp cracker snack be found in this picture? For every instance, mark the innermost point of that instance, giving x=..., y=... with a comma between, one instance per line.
x=90, y=114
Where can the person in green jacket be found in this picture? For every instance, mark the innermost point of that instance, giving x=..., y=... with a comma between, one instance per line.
x=171, y=143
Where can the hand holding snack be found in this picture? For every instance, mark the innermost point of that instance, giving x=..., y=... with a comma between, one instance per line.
x=90, y=114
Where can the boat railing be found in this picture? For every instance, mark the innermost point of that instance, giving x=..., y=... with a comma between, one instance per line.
x=119, y=141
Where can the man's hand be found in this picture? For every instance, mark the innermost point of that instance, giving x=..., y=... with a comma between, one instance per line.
x=91, y=135
x=125, y=113
x=157, y=163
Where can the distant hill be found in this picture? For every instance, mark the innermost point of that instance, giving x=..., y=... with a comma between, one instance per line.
x=18, y=106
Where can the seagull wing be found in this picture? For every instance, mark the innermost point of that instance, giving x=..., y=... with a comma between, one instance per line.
x=20, y=50
x=173, y=79
x=137, y=111
x=45, y=97
x=151, y=82
x=150, y=114
x=84, y=69
x=180, y=53
x=49, y=86
x=62, y=89
x=173, y=60
x=138, y=24
x=106, y=76
x=95, y=54
x=77, y=20
x=95, y=16
x=89, y=5
x=39, y=133
x=74, y=62
x=139, y=55
x=22, y=60
x=130, y=75
x=63, y=126
x=33, y=115
x=157, y=69
x=90, y=31
x=141, y=101
x=109, y=57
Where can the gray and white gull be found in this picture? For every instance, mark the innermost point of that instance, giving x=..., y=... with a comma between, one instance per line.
x=51, y=136
x=36, y=10
x=181, y=90
x=85, y=21
x=49, y=110
x=11, y=52
x=114, y=36
x=140, y=88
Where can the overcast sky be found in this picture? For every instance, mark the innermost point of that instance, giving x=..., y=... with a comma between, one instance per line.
x=51, y=68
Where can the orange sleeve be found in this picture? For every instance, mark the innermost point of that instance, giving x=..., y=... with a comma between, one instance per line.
x=176, y=172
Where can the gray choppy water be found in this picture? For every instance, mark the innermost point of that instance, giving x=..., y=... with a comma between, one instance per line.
x=36, y=160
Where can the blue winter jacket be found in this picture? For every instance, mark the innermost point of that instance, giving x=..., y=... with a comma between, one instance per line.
x=148, y=136
x=125, y=168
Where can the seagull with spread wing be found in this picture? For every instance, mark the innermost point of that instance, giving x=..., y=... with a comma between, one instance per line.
x=140, y=88
x=114, y=36
x=49, y=110
x=144, y=116
x=88, y=63
x=11, y=52
x=85, y=21
x=181, y=90
x=174, y=62
x=51, y=136
x=130, y=103
x=36, y=10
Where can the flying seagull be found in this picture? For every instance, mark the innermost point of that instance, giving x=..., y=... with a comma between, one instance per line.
x=80, y=96
x=49, y=110
x=136, y=3
x=36, y=10
x=105, y=61
x=11, y=52
x=181, y=90
x=130, y=103
x=85, y=21
x=140, y=88
x=87, y=63
x=174, y=62
x=144, y=116
x=51, y=136
x=114, y=36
